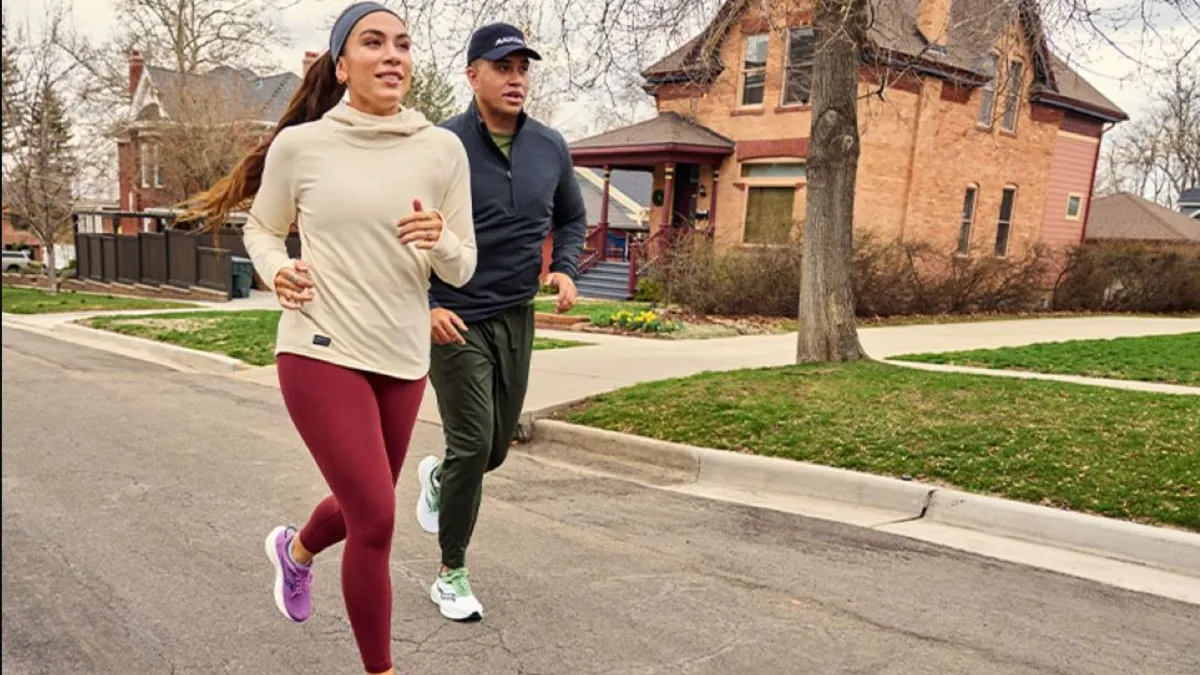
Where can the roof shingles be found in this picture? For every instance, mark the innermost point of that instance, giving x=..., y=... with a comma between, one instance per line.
x=975, y=26
x=1128, y=217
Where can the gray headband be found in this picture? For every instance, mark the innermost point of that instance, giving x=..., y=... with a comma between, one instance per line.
x=346, y=21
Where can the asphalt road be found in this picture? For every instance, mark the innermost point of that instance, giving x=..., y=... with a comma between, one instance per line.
x=135, y=501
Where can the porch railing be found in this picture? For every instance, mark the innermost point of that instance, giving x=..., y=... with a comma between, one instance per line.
x=644, y=252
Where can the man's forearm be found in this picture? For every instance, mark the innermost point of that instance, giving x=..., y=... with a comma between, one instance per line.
x=568, y=247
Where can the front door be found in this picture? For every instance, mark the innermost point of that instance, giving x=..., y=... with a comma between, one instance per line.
x=687, y=179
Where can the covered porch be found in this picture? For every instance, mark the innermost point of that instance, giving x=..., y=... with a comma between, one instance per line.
x=684, y=159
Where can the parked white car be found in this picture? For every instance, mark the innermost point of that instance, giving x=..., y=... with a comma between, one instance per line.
x=17, y=261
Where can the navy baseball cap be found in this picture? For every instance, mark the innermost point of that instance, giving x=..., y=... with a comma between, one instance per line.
x=496, y=41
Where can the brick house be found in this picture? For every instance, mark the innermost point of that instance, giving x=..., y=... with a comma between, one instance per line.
x=159, y=97
x=974, y=136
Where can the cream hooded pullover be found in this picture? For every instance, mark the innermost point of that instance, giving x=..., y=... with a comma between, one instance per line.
x=345, y=180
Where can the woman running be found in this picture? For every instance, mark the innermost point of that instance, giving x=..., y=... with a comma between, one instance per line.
x=353, y=344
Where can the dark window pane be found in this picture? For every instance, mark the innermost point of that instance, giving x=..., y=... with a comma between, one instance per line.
x=968, y=214
x=1002, y=239
x=769, y=215
x=1073, y=204
x=774, y=170
x=1012, y=98
x=798, y=77
x=1006, y=204
x=754, y=88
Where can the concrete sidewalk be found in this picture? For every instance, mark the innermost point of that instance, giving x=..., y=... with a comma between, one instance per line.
x=610, y=362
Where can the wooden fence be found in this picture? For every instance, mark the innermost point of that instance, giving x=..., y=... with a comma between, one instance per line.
x=167, y=257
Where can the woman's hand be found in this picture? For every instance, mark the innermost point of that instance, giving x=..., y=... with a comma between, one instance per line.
x=421, y=227
x=294, y=285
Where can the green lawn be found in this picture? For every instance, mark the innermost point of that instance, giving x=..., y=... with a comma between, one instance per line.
x=1118, y=453
x=247, y=335
x=21, y=300
x=1174, y=359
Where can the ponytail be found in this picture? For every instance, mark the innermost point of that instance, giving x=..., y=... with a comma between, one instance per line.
x=317, y=95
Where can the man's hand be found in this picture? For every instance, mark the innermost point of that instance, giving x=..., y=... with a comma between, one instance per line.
x=447, y=328
x=567, y=293
x=293, y=285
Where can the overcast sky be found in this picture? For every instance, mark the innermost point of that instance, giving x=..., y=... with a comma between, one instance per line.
x=1113, y=73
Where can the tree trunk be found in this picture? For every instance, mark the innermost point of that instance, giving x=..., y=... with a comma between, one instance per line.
x=51, y=268
x=827, y=327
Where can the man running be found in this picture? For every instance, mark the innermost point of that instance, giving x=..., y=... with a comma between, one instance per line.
x=523, y=187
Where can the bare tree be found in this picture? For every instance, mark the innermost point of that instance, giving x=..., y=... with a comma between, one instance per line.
x=41, y=162
x=202, y=126
x=1158, y=155
x=187, y=36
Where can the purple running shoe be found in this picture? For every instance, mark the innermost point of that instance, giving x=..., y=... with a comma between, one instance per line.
x=293, y=583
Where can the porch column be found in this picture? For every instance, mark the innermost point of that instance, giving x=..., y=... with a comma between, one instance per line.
x=712, y=202
x=668, y=207
x=603, y=225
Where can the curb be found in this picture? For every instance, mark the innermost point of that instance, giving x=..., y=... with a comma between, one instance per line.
x=1161, y=548
x=769, y=474
x=1167, y=549
x=162, y=353
x=178, y=357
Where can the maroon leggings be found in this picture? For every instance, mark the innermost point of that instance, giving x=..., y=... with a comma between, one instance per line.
x=357, y=426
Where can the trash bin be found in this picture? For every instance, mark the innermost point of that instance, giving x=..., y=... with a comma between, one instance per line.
x=243, y=277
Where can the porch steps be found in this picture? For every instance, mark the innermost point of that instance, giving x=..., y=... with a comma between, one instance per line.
x=607, y=280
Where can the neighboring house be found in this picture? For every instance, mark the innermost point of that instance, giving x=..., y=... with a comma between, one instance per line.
x=16, y=239
x=222, y=97
x=629, y=198
x=974, y=137
x=1189, y=202
x=1126, y=217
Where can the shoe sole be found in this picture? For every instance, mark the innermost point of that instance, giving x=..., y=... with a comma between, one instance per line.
x=426, y=519
x=436, y=599
x=273, y=556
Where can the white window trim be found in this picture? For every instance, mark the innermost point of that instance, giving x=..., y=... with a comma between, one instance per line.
x=787, y=64
x=741, y=95
x=144, y=148
x=1079, y=214
x=1011, y=218
x=968, y=222
x=989, y=86
x=1013, y=96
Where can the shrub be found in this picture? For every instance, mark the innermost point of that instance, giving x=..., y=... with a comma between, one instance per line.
x=738, y=283
x=1130, y=278
x=905, y=278
x=891, y=278
x=649, y=289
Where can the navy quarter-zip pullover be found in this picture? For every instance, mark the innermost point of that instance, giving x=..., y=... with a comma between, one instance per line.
x=517, y=201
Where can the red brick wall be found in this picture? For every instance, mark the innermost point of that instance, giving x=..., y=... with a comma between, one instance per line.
x=920, y=148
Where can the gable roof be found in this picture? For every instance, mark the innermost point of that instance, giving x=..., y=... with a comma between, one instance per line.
x=668, y=128
x=1128, y=217
x=975, y=25
x=260, y=98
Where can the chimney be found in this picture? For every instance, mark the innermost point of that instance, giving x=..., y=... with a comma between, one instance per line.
x=933, y=20
x=309, y=59
x=136, y=65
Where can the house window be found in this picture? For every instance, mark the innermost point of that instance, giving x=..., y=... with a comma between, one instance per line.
x=968, y=218
x=1004, y=224
x=152, y=171
x=987, y=96
x=1074, y=206
x=769, y=214
x=797, y=74
x=754, y=70
x=1012, y=95
x=774, y=170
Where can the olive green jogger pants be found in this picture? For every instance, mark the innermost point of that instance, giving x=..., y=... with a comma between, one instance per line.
x=480, y=389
